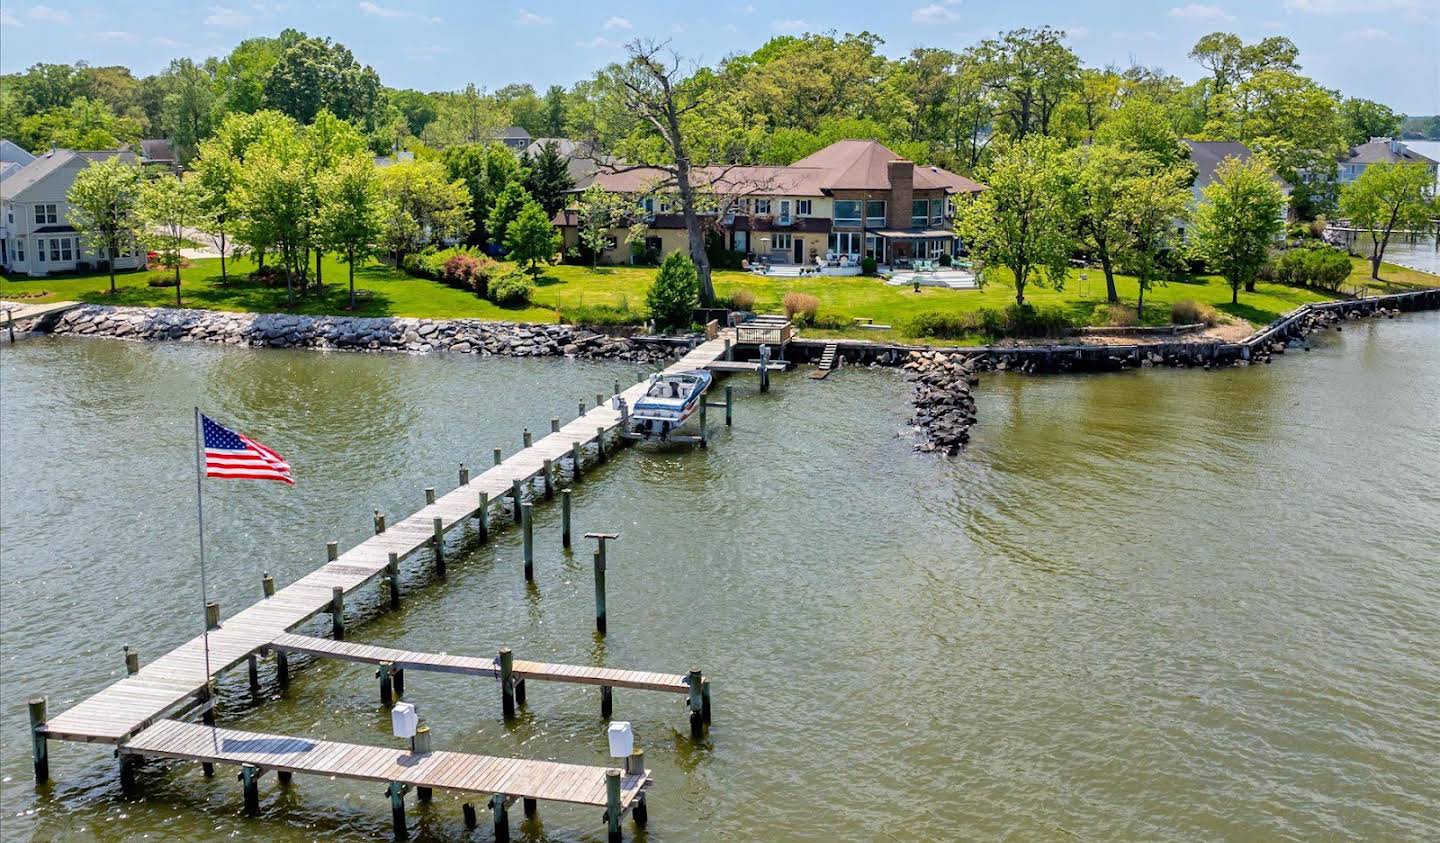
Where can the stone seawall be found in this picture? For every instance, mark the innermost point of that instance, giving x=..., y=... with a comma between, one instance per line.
x=353, y=333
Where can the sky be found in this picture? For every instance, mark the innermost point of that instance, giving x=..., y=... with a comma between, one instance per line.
x=1387, y=50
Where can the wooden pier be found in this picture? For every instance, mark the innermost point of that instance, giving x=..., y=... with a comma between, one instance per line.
x=16, y=312
x=127, y=712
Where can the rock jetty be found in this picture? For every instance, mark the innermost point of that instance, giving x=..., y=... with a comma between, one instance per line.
x=944, y=407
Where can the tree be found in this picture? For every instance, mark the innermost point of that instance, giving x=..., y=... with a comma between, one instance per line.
x=463, y=117
x=1022, y=220
x=531, y=238
x=1365, y=119
x=82, y=124
x=168, y=207
x=417, y=108
x=1238, y=220
x=315, y=74
x=240, y=76
x=1385, y=197
x=1099, y=179
x=547, y=176
x=675, y=293
x=1151, y=206
x=1285, y=116
x=45, y=86
x=105, y=207
x=598, y=213
x=554, y=115
x=1231, y=61
x=350, y=218
x=217, y=177
x=188, y=108
x=326, y=141
x=485, y=169
x=275, y=198
x=506, y=210
x=422, y=206
x=1142, y=125
x=1029, y=72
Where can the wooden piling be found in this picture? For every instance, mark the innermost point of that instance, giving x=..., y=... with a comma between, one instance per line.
x=483, y=516
x=729, y=405
x=39, y=744
x=332, y=551
x=267, y=585
x=635, y=763
x=617, y=388
x=212, y=615
x=519, y=691
x=337, y=612
x=128, y=765
x=515, y=497
x=531, y=807
x=575, y=460
x=599, y=564
x=612, y=804
x=527, y=438
x=429, y=495
x=527, y=532
x=468, y=811
x=704, y=403
x=764, y=368
x=392, y=576
x=554, y=424
x=387, y=690
x=464, y=475
x=397, y=810
x=705, y=699
x=565, y=518
x=728, y=352
x=697, y=702
x=379, y=523
x=582, y=409
x=397, y=680
x=639, y=811
x=282, y=669
x=607, y=701
x=500, y=815
x=599, y=400
x=599, y=444
x=132, y=661
x=507, y=683
x=283, y=776
x=439, y=544
x=498, y=458
x=252, y=670
x=250, y=781
x=549, y=472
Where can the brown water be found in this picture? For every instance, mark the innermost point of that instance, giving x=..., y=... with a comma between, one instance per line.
x=1150, y=605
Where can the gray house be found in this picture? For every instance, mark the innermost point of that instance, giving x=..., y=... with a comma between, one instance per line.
x=1381, y=151
x=36, y=237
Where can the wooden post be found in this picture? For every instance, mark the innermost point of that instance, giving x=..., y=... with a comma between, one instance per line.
x=635, y=764
x=284, y=776
x=332, y=551
x=531, y=807
x=507, y=683
x=515, y=496
x=379, y=523
x=575, y=459
x=607, y=701
x=39, y=744
x=599, y=444
x=267, y=585
x=612, y=804
x=337, y=612
x=704, y=402
x=282, y=669
x=728, y=351
x=639, y=811
x=429, y=495
x=527, y=438
x=392, y=575
x=483, y=516
x=501, y=817
x=519, y=691
x=599, y=559
x=729, y=404
x=705, y=699
x=764, y=368
x=252, y=670
x=387, y=691
x=250, y=780
x=468, y=810
x=397, y=680
x=549, y=472
x=582, y=408
x=439, y=543
x=397, y=810
x=554, y=424
x=128, y=763
x=212, y=615
x=527, y=534
x=464, y=475
x=617, y=388
x=565, y=518
x=132, y=661
x=498, y=458
x=599, y=400
x=697, y=704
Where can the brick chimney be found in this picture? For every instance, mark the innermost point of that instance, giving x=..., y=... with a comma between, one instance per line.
x=902, y=192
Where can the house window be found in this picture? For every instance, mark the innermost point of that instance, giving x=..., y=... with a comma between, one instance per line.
x=762, y=206
x=44, y=214
x=919, y=213
x=54, y=248
x=40, y=250
x=647, y=205
x=664, y=207
x=611, y=243
x=782, y=242
x=937, y=211
x=875, y=212
x=65, y=249
x=802, y=207
x=845, y=242
x=785, y=210
x=847, y=212
x=19, y=250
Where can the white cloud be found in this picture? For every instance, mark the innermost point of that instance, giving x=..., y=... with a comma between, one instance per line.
x=1200, y=11
x=1347, y=7
x=596, y=42
x=791, y=25
x=1368, y=33
x=940, y=12
x=1077, y=31
x=529, y=18
x=382, y=11
x=7, y=19
x=162, y=41
x=46, y=13
x=730, y=27
x=617, y=23
x=116, y=36
x=226, y=16
x=677, y=29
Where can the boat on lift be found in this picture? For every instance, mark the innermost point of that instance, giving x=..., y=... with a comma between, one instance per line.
x=669, y=400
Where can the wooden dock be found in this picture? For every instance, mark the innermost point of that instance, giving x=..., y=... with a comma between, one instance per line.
x=17, y=312
x=128, y=711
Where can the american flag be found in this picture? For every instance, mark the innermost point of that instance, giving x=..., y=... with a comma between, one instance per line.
x=235, y=456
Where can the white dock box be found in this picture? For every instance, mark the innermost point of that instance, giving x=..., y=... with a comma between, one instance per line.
x=622, y=739
x=403, y=720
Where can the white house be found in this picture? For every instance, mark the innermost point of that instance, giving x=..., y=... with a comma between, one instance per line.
x=12, y=157
x=1380, y=151
x=36, y=237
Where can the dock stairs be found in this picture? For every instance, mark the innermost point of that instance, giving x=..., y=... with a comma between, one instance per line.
x=827, y=362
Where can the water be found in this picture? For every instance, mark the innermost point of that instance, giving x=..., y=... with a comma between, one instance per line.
x=1153, y=605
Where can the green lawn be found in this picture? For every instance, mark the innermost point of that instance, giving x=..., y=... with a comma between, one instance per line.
x=569, y=289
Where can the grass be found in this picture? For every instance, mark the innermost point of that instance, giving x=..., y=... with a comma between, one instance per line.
x=619, y=292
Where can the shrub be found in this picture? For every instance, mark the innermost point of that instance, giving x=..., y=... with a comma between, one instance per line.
x=947, y=326
x=742, y=299
x=1114, y=316
x=268, y=275
x=512, y=290
x=945, y=259
x=1189, y=312
x=602, y=314
x=469, y=271
x=868, y=266
x=675, y=292
x=800, y=306
x=1314, y=266
x=161, y=281
x=1013, y=321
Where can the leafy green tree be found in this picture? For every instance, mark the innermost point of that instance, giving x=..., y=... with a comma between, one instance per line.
x=1142, y=125
x=104, y=204
x=1285, y=116
x=675, y=293
x=217, y=176
x=416, y=107
x=43, y=86
x=531, y=238
x=599, y=212
x=547, y=176
x=275, y=198
x=1365, y=119
x=169, y=205
x=315, y=74
x=327, y=141
x=1385, y=197
x=485, y=169
x=351, y=219
x=422, y=206
x=555, y=113
x=1022, y=220
x=508, y=206
x=465, y=117
x=1238, y=219
x=240, y=76
x=1029, y=72
x=1232, y=62
x=1152, y=205
x=188, y=108
x=82, y=124
x=1100, y=177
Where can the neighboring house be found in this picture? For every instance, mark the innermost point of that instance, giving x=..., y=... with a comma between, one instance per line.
x=395, y=158
x=1207, y=156
x=514, y=137
x=1381, y=151
x=854, y=198
x=12, y=158
x=36, y=238
x=581, y=159
x=159, y=152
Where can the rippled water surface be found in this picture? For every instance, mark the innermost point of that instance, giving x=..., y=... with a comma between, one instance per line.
x=1153, y=605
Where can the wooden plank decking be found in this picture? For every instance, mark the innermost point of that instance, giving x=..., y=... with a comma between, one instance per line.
x=480, y=666
x=136, y=702
x=458, y=771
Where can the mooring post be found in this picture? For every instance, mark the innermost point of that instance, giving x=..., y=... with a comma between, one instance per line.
x=468, y=811
x=549, y=472
x=397, y=810
x=501, y=816
x=704, y=402
x=128, y=763
x=250, y=781
x=212, y=615
x=599, y=400
x=483, y=516
x=429, y=495
x=39, y=744
x=379, y=523
x=332, y=551
x=498, y=458
x=397, y=681
x=554, y=424
x=639, y=811
x=422, y=747
x=764, y=368
x=600, y=613
x=617, y=388
x=507, y=683
x=439, y=542
x=392, y=575
x=515, y=497
x=565, y=518
x=252, y=669
x=599, y=444
x=526, y=437
x=728, y=352
x=575, y=460
x=387, y=691
x=527, y=545
x=607, y=701
x=132, y=661
x=729, y=405
x=705, y=699
x=282, y=669
x=337, y=612
x=267, y=584
x=284, y=776
x=464, y=475
x=697, y=702
x=519, y=691
x=612, y=804
x=582, y=408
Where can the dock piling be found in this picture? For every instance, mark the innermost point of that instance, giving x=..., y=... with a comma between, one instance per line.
x=515, y=498
x=607, y=701
x=527, y=531
x=582, y=409
x=729, y=405
x=704, y=403
x=397, y=681
x=252, y=670
x=527, y=438
x=464, y=475
x=612, y=807
x=250, y=781
x=128, y=764
x=549, y=473
x=599, y=444
x=212, y=615
x=397, y=810
x=599, y=400
x=599, y=560
x=379, y=523
x=639, y=811
x=282, y=669
x=501, y=816
x=337, y=612
x=267, y=584
x=132, y=661
x=392, y=576
x=498, y=458
x=764, y=368
x=697, y=702
x=39, y=745
x=387, y=691
x=439, y=543
x=429, y=495
x=507, y=683
x=483, y=516
x=332, y=551
x=531, y=807
x=705, y=699
x=468, y=811
x=575, y=461
x=554, y=424
x=565, y=518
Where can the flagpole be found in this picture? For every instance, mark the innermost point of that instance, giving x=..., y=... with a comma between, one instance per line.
x=200, y=520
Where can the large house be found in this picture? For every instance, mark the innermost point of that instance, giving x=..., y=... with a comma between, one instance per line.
x=12, y=157
x=36, y=237
x=1381, y=151
x=1206, y=157
x=851, y=200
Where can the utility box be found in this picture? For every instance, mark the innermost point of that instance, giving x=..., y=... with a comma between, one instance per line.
x=622, y=739
x=403, y=720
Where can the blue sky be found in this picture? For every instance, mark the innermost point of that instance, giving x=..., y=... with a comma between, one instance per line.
x=1381, y=49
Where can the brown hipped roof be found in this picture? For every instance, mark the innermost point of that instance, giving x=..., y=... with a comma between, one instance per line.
x=865, y=165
